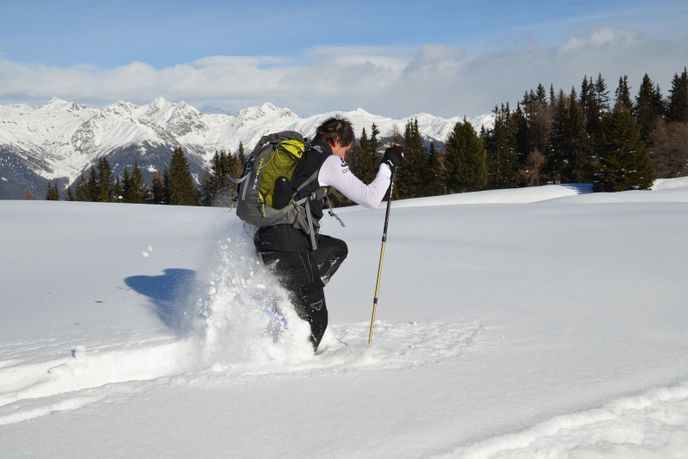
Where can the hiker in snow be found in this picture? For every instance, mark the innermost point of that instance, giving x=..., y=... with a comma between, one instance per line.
x=301, y=268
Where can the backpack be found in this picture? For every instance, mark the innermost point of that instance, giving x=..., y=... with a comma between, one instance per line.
x=265, y=195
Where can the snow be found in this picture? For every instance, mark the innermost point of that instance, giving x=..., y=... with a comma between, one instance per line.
x=70, y=137
x=538, y=322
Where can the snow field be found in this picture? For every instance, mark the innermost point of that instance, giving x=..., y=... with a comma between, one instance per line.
x=552, y=326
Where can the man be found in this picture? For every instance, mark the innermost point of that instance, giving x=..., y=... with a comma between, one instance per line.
x=287, y=250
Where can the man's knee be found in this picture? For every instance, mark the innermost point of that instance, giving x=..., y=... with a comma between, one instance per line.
x=337, y=249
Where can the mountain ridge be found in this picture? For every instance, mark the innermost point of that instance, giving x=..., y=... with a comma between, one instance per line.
x=60, y=139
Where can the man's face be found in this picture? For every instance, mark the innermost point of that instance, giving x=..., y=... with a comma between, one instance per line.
x=340, y=150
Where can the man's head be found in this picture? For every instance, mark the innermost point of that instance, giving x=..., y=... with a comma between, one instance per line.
x=339, y=133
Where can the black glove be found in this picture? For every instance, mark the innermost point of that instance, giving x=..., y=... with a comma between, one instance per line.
x=394, y=156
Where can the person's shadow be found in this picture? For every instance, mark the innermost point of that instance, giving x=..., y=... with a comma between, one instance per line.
x=170, y=294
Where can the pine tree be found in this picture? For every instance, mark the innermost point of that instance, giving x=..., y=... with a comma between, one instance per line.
x=92, y=186
x=135, y=190
x=374, y=142
x=158, y=191
x=625, y=164
x=648, y=109
x=623, y=94
x=570, y=153
x=437, y=167
x=601, y=93
x=502, y=162
x=541, y=95
x=210, y=182
x=217, y=187
x=82, y=192
x=180, y=187
x=117, y=195
x=125, y=184
x=538, y=118
x=466, y=160
x=678, y=98
x=592, y=115
x=105, y=181
x=53, y=193
x=365, y=162
x=412, y=178
x=70, y=194
x=240, y=164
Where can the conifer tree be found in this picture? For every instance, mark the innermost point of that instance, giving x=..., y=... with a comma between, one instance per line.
x=502, y=163
x=53, y=193
x=125, y=184
x=134, y=190
x=240, y=164
x=521, y=137
x=70, y=194
x=625, y=164
x=105, y=181
x=623, y=94
x=570, y=156
x=601, y=93
x=592, y=115
x=648, y=108
x=466, y=160
x=217, y=187
x=678, y=98
x=438, y=172
x=159, y=194
x=82, y=193
x=365, y=163
x=411, y=178
x=210, y=183
x=541, y=95
x=117, y=195
x=166, y=187
x=589, y=105
x=374, y=142
x=92, y=186
x=538, y=121
x=180, y=187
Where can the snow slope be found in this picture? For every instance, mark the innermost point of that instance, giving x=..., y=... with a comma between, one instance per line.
x=538, y=326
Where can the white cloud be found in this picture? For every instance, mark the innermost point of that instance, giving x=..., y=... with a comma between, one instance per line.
x=600, y=37
x=441, y=79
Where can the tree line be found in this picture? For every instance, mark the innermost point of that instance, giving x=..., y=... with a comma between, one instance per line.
x=584, y=136
x=615, y=143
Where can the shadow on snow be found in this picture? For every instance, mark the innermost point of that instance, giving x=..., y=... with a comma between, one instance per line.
x=171, y=294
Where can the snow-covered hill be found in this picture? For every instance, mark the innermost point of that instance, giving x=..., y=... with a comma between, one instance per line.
x=61, y=139
x=538, y=322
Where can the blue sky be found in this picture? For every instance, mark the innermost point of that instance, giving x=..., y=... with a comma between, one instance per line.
x=383, y=49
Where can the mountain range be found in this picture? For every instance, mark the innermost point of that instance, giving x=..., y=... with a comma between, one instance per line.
x=60, y=140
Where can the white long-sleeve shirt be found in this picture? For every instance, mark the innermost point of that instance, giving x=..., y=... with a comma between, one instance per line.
x=335, y=173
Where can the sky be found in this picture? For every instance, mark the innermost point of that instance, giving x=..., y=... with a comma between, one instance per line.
x=393, y=58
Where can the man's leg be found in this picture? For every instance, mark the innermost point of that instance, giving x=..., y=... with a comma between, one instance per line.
x=298, y=274
x=329, y=256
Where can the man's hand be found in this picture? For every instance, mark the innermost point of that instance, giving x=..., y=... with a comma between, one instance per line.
x=394, y=156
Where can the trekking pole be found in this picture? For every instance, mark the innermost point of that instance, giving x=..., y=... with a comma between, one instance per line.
x=382, y=258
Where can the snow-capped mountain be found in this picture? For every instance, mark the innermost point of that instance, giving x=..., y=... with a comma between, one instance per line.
x=60, y=140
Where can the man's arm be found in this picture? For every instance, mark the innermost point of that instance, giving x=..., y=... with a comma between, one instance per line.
x=335, y=172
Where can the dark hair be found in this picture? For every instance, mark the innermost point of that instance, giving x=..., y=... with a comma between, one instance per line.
x=336, y=129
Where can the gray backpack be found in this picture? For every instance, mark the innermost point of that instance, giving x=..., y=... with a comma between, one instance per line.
x=266, y=196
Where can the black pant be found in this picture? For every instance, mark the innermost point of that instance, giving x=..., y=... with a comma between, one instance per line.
x=304, y=274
